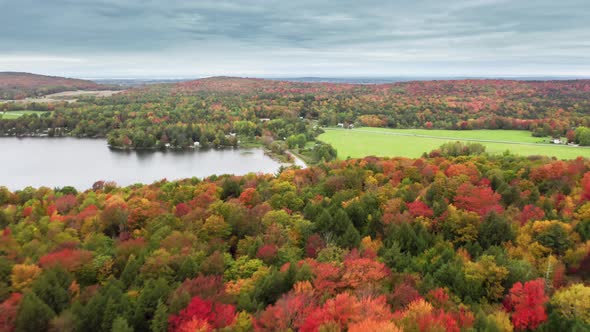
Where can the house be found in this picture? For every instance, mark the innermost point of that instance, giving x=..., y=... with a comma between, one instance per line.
x=556, y=141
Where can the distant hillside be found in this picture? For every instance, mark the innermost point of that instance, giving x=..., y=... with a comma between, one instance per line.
x=15, y=85
x=239, y=85
x=458, y=89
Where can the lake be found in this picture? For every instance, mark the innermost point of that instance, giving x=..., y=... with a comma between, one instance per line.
x=59, y=162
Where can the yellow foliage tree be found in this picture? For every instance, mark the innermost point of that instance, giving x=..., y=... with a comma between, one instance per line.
x=488, y=274
x=502, y=320
x=215, y=227
x=23, y=276
x=573, y=302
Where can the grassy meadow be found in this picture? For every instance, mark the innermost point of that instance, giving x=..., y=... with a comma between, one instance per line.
x=361, y=142
x=18, y=114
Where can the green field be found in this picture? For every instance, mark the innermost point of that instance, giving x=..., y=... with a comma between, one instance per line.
x=18, y=114
x=383, y=142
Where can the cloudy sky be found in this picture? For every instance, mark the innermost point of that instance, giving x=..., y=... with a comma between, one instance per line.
x=294, y=38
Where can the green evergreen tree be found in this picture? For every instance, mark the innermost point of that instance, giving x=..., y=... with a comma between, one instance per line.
x=52, y=288
x=495, y=230
x=131, y=271
x=351, y=237
x=34, y=315
x=120, y=325
x=147, y=302
x=324, y=223
x=160, y=321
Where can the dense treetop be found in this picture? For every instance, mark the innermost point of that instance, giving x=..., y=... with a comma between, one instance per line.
x=447, y=242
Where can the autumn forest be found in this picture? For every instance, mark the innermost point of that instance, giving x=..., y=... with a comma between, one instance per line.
x=457, y=240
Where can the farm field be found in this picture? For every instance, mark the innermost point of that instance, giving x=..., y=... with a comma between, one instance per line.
x=383, y=142
x=18, y=114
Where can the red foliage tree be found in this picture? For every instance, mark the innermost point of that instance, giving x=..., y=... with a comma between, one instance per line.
x=89, y=211
x=249, y=197
x=571, y=136
x=51, y=210
x=289, y=312
x=69, y=259
x=436, y=320
x=314, y=245
x=438, y=297
x=27, y=211
x=205, y=287
x=8, y=312
x=526, y=303
x=463, y=169
x=345, y=309
x=267, y=252
x=206, y=195
x=403, y=294
x=363, y=272
x=65, y=203
x=480, y=199
x=327, y=278
x=585, y=196
x=531, y=212
x=217, y=315
x=419, y=209
x=557, y=170
x=182, y=209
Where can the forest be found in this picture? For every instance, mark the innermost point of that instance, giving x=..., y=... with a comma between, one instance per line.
x=457, y=240
x=225, y=111
x=16, y=85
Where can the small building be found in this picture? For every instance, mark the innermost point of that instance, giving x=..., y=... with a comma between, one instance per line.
x=341, y=125
x=264, y=119
x=556, y=141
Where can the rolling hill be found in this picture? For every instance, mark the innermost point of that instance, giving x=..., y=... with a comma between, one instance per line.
x=15, y=85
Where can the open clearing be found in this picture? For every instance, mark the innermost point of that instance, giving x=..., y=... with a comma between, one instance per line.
x=383, y=142
x=69, y=96
x=18, y=114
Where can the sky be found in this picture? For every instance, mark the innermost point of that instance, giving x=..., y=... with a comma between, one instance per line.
x=296, y=38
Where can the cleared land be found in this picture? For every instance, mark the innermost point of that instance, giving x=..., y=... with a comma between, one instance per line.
x=361, y=142
x=18, y=114
x=69, y=96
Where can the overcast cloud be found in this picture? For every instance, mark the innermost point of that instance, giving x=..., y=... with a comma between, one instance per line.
x=147, y=38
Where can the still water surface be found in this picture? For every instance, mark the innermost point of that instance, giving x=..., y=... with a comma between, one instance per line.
x=58, y=162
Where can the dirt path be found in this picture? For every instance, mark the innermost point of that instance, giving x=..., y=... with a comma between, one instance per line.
x=296, y=160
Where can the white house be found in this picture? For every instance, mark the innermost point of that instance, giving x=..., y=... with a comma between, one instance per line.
x=556, y=141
